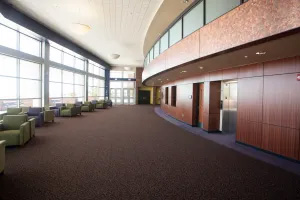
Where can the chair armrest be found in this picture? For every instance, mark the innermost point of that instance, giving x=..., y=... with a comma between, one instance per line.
x=23, y=128
x=63, y=108
x=2, y=144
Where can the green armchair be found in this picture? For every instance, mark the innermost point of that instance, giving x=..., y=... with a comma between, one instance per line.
x=87, y=107
x=101, y=104
x=12, y=111
x=70, y=110
x=2, y=156
x=15, y=130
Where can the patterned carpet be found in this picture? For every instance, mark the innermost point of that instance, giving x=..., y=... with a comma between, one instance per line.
x=128, y=152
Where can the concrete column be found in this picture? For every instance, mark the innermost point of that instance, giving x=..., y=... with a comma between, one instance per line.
x=86, y=96
x=46, y=55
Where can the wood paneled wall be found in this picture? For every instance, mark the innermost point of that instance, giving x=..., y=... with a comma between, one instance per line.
x=240, y=26
x=268, y=104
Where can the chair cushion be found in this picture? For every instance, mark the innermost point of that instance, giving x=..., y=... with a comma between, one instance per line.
x=13, y=122
x=70, y=105
x=13, y=111
x=35, y=111
x=10, y=132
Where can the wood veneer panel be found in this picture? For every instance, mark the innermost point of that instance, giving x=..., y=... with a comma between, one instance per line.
x=184, y=107
x=281, y=101
x=282, y=66
x=206, y=97
x=250, y=99
x=231, y=73
x=281, y=140
x=215, y=97
x=215, y=76
x=201, y=102
x=251, y=70
x=249, y=132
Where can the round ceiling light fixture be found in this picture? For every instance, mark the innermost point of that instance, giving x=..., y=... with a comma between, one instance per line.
x=80, y=29
x=127, y=68
x=115, y=56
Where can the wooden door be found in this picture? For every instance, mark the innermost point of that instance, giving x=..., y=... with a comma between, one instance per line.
x=201, y=104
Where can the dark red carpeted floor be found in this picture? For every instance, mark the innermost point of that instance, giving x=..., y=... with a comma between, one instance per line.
x=128, y=152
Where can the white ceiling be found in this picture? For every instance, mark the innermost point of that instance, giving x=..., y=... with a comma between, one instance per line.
x=118, y=26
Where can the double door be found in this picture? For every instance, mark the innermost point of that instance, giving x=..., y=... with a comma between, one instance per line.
x=121, y=96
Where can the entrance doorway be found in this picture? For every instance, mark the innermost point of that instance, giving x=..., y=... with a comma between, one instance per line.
x=144, y=97
x=115, y=96
x=229, y=110
x=128, y=96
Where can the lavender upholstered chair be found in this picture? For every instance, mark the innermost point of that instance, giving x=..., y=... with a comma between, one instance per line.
x=38, y=114
x=56, y=109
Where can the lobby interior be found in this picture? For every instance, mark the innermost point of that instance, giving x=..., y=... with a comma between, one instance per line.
x=149, y=99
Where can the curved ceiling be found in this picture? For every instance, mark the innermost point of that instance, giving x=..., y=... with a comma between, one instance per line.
x=117, y=26
x=166, y=14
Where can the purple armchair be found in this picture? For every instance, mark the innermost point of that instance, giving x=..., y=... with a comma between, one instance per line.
x=56, y=109
x=38, y=114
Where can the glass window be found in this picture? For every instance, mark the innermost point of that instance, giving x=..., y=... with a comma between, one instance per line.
x=4, y=104
x=68, y=60
x=96, y=71
x=68, y=90
x=156, y=49
x=128, y=84
x=79, y=79
x=8, y=37
x=30, y=45
x=115, y=74
x=102, y=83
x=79, y=90
x=151, y=54
x=30, y=88
x=115, y=84
x=128, y=74
x=8, y=88
x=29, y=70
x=55, y=75
x=193, y=20
x=91, y=68
x=54, y=89
x=55, y=55
x=67, y=77
x=216, y=8
x=164, y=42
x=8, y=66
x=102, y=72
x=30, y=103
x=79, y=64
x=176, y=32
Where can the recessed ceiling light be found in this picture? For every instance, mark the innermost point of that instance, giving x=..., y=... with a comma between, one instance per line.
x=80, y=29
x=115, y=56
x=201, y=67
x=246, y=56
x=261, y=53
x=183, y=71
x=185, y=1
x=127, y=68
x=159, y=79
x=167, y=79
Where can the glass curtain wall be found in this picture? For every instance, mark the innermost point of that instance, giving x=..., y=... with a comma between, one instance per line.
x=122, y=92
x=21, y=71
x=20, y=79
x=192, y=20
